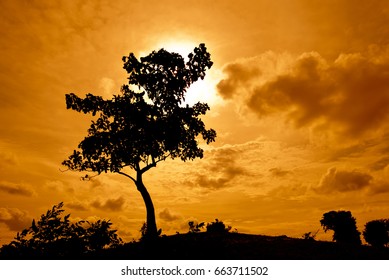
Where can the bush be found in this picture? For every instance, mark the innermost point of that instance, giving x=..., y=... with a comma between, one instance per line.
x=54, y=237
x=218, y=227
x=195, y=227
x=376, y=233
x=310, y=236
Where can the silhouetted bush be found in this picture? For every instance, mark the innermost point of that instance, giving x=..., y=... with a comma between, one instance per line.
x=195, y=227
x=309, y=235
x=53, y=237
x=344, y=226
x=376, y=233
x=218, y=227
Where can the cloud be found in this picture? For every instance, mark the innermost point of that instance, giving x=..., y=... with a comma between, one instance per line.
x=7, y=159
x=16, y=189
x=110, y=204
x=343, y=181
x=380, y=164
x=228, y=87
x=290, y=191
x=14, y=218
x=349, y=96
x=220, y=170
x=379, y=187
x=279, y=172
x=77, y=206
x=59, y=186
x=166, y=215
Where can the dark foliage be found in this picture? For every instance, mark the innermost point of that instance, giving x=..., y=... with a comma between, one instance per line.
x=344, y=226
x=195, y=227
x=376, y=233
x=310, y=236
x=138, y=129
x=56, y=237
x=217, y=227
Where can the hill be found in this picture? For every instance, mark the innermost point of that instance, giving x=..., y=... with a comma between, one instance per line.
x=202, y=246
x=215, y=246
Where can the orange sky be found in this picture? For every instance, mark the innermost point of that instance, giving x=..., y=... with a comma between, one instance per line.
x=299, y=96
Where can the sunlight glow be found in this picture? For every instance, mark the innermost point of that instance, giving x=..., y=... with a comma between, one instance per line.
x=202, y=90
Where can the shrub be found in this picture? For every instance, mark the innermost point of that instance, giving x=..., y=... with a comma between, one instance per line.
x=195, y=227
x=218, y=227
x=54, y=237
x=309, y=235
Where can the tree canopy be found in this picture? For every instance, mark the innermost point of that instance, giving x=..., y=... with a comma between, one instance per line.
x=344, y=226
x=376, y=233
x=145, y=126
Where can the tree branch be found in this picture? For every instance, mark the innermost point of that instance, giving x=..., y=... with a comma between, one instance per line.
x=148, y=167
x=128, y=176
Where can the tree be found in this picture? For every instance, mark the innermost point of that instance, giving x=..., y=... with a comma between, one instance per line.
x=54, y=236
x=344, y=226
x=135, y=130
x=376, y=232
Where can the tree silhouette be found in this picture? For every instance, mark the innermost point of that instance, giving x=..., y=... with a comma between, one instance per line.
x=376, y=232
x=138, y=129
x=55, y=236
x=344, y=226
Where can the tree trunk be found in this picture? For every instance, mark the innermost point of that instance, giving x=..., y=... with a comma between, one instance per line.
x=151, y=229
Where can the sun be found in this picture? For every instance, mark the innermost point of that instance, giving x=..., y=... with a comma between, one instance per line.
x=201, y=90
x=182, y=48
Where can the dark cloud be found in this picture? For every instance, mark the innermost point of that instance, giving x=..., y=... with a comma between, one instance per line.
x=168, y=216
x=77, y=206
x=349, y=152
x=238, y=76
x=221, y=169
x=110, y=204
x=379, y=164
x=16, y=189
x=343, y=181
x=289, y=191
x=279, y=172
x=349, y=96
x=14, y=218
x=379, y=187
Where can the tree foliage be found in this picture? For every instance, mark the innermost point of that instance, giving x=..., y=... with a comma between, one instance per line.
x=376, y=232
x=55, y=236
x=147, y=122
x=344, y=226
x=147, y=126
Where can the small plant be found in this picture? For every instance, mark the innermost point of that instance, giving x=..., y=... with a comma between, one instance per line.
x=218, y=227
x=195, y=227
x=310, y=236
